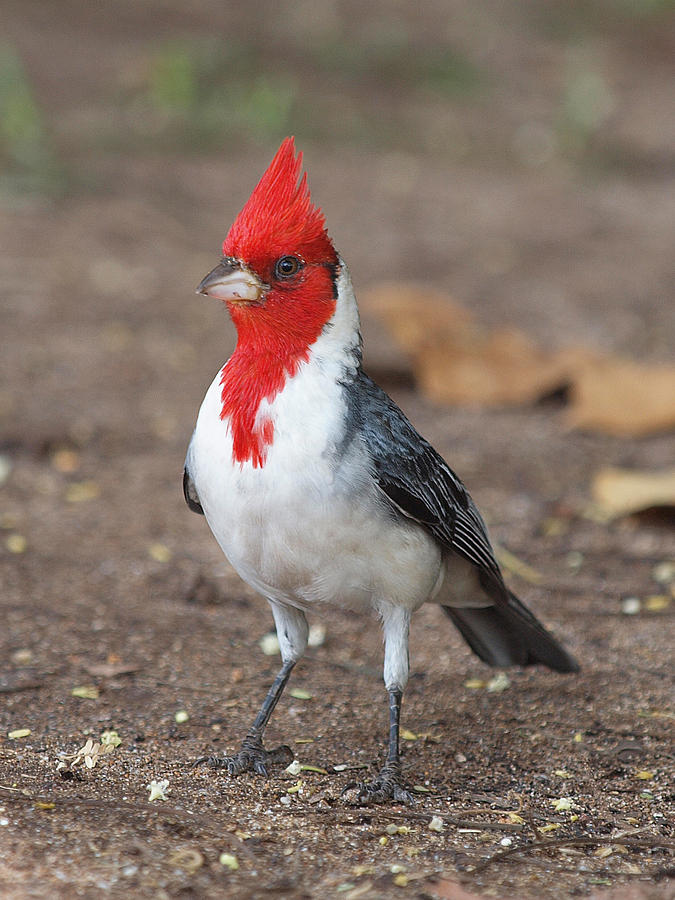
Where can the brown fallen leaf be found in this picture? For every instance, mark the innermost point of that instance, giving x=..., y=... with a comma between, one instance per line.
x=621, y=397
x=500, y=369
x=417, y=317
x=110, y=670
x=621, y=492
x=457, y=362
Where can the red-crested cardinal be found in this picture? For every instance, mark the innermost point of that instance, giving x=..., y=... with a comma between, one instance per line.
x=316, y=486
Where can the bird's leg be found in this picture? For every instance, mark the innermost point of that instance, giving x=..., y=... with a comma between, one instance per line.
x=292, y=633
x=389, y=784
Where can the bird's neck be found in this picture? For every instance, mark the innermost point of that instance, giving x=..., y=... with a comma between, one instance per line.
x=273, y=342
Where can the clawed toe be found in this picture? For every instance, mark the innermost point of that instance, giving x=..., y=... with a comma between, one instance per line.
x=253, y=757
x=387, y=787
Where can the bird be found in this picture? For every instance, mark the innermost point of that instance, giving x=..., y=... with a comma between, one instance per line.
x=316, y=486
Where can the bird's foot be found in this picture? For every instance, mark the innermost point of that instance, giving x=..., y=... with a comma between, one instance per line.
x=252, y=757
x=386, y=787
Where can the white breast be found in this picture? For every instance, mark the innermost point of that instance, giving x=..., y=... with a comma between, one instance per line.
x=303, y=528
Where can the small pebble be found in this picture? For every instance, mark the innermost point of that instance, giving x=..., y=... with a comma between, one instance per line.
x=269, y=644
x=630, y=606
x=16, y=543
x=159, y=552
x=316, y=636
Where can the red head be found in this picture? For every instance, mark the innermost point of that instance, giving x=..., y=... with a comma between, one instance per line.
x=278, y=279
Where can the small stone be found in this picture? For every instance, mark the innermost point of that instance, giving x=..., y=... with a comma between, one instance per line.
x=159, y=552
x=317, y=635
x=630, y=606
x=664, y=572
x=436, y=824
x=16, y=543
x=269, y=644
x=181, y=716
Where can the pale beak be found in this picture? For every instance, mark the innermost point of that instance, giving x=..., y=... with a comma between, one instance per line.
x=232, y=282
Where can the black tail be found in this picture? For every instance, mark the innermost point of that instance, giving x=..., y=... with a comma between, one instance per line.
x=507, y=634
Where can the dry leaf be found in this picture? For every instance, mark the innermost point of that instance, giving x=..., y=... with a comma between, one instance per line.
x=500, y=369
x=109, y=669
x=417, y=318
x=455, y=361
x=621, y=492
x=621, y=397
x=85, y=692
x=186, y=858
x=517, y=566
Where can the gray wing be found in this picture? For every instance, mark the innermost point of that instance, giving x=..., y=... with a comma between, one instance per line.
x=418, y=483
x=416, y=479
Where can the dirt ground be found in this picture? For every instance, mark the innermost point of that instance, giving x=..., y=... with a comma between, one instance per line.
x=554, y=786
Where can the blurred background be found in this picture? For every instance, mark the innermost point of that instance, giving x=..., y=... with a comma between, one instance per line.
x=518, y=154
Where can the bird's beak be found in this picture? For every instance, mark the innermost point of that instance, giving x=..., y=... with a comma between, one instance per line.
x=232, y=282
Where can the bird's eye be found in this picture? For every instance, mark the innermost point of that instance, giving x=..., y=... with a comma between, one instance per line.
x=287, y=267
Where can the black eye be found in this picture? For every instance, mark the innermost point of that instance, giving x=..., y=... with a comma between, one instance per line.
x=287, y=267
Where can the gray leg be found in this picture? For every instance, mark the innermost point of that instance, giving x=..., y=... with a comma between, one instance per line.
x=292, y=630
x=389, y=784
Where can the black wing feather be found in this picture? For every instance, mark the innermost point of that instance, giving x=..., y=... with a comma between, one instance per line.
x=190, y=493
x=417, y=482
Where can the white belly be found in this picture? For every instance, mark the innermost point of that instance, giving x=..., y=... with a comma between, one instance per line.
x=300, y=529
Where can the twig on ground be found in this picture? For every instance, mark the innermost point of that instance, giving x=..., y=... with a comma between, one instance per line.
x=556, y=844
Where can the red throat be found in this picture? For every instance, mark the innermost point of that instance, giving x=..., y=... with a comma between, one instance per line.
x=275, y=337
